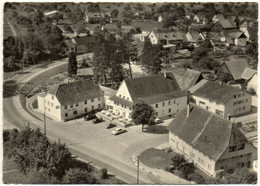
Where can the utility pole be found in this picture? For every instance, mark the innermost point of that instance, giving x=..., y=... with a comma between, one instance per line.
x=137, y=179
x=44, y=120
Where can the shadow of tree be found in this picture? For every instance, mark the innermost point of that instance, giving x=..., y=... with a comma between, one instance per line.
x=156, y=129
x=9, y=88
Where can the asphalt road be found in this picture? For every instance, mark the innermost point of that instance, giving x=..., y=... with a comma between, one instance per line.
x=92, y=143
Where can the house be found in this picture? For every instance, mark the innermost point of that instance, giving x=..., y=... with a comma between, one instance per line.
x=141, y=36
x=239, y=38
x=93, y=17
x=163, y=17
x=162, y=93
x=217, y=17
x=213, y=143
x=235, y=68
x=195, y=38
x=200, y=19
x=225, y=24
x=108, y=93
x=224, y=100
x=70, y=46
x=248, y=73
x=71, y=100
x=215, y=38
x=84, y=44
x=168, y=37
x=186, y=78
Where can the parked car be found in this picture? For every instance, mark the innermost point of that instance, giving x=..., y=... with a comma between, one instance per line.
x=90, y=117
x=118, y=131
x=110, y=125
x=158, y=121
x=97, y=120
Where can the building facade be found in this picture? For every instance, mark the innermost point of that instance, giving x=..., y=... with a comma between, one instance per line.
x=71, y=100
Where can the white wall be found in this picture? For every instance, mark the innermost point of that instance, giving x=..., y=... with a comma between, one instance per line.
x=153, y=38
x=240, y=42
x=52, y=107
x=199, y=159
x=123, y=92
x=175, y=105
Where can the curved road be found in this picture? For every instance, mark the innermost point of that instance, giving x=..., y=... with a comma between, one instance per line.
x=120, y=164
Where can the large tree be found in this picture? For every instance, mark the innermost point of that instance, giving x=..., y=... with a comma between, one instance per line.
x=72, y=65
x=143, y=114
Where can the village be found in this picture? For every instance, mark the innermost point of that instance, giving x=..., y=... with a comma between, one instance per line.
x=180, y=75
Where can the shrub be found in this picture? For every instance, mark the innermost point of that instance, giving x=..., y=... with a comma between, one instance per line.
x=196, y=177
x=179, y=174
x=187, y=169
x=104, y=174
x=177, y=161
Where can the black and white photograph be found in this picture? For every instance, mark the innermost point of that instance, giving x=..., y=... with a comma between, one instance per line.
x=150, y=93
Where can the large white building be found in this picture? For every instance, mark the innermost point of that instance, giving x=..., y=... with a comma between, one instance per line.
x=71, y=100
x=221, y=99
x=213, y=143
x=162, y=93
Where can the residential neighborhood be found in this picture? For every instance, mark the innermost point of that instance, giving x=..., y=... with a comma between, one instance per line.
x=130, y=93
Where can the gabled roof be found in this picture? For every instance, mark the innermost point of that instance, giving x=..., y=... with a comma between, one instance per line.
x=69, y=43
x=77, y=91
x=205, y=131
x=169, y=35
x=186, y=78
x=227, y=23
x=200, y=16
x=236, y=68
x=84, y=40
x=152, y=88
x=217, y=92
x=236, y=35
x=214, y=36
x=248, y=73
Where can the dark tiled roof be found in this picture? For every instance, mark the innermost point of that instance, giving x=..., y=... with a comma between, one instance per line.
x=77, y=91
x=84, y=40
x=227, y=23
x=148, y=87
x=205, y=131
x=236, y=68
x=215, y=92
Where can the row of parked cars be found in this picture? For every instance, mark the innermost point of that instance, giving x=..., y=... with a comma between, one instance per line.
x=96, y=120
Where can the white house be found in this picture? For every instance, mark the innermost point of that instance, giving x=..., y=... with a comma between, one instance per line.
x=252, y=83
x=221, y=99
x=213, y=143
x=162, y=93
x=70, y=100
x=200, y=19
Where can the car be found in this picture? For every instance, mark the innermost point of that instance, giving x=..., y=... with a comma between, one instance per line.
x=158, y=121
x=97, y=120
x=110, y=125
x=118, y=131
x=90, y=117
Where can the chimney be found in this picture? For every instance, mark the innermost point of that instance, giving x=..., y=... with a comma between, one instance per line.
x=188, y=104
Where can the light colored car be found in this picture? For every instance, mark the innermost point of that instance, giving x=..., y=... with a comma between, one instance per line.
x=118, y=131
x=157, y=121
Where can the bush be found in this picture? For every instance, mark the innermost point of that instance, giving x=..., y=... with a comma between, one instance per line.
x=104, y=174
x=196, y=177
x=179, y=174
x=78, y=176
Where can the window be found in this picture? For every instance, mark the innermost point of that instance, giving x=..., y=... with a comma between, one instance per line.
x=232, y=148
x=174, y=101
x=71, y=106
x=99, y=106
x=241, y=147
x=239, y=95
x=130, y=108
x=246, y=100
x=119, y=95
x=92, y=107
x=169, y=102
x=219, y=112
x=57, y=107
x=162, y=103
x=52, y=97
x=66, y=114
x=209, y=166
x=243, y=94
x=124, y=97
x=201, y=103
x=177, y=110
x=86, y=109
x=85, y=102
x=75, y=112
x=48, y=103
x=241, y=156
x=52, y=104
x=49, y=110
x=244, y=107
x=92, y=100
x=156, y=106
x=156, y=113
x=235, y=96
x=170, y=110
x=77, y=104
x=98, y=99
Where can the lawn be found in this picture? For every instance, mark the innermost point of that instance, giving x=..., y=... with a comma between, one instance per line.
x=156, y=158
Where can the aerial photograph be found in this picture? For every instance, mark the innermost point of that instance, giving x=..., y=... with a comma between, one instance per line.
x=159, y=93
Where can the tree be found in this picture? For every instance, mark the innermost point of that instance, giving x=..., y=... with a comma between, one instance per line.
x=93, y=7
x=72, y=65
x=57, y=17
x=78, y=176
x=177, y=161
x=143, y=114
x=196, y=177
x=114, y=13
x=240, y=176
x=223, y=76
x=37, y=17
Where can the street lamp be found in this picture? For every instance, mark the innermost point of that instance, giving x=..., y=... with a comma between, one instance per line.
x=137, y=179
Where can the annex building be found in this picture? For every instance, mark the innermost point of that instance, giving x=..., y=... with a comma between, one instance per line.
x=213, y=143
x=71, y=100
